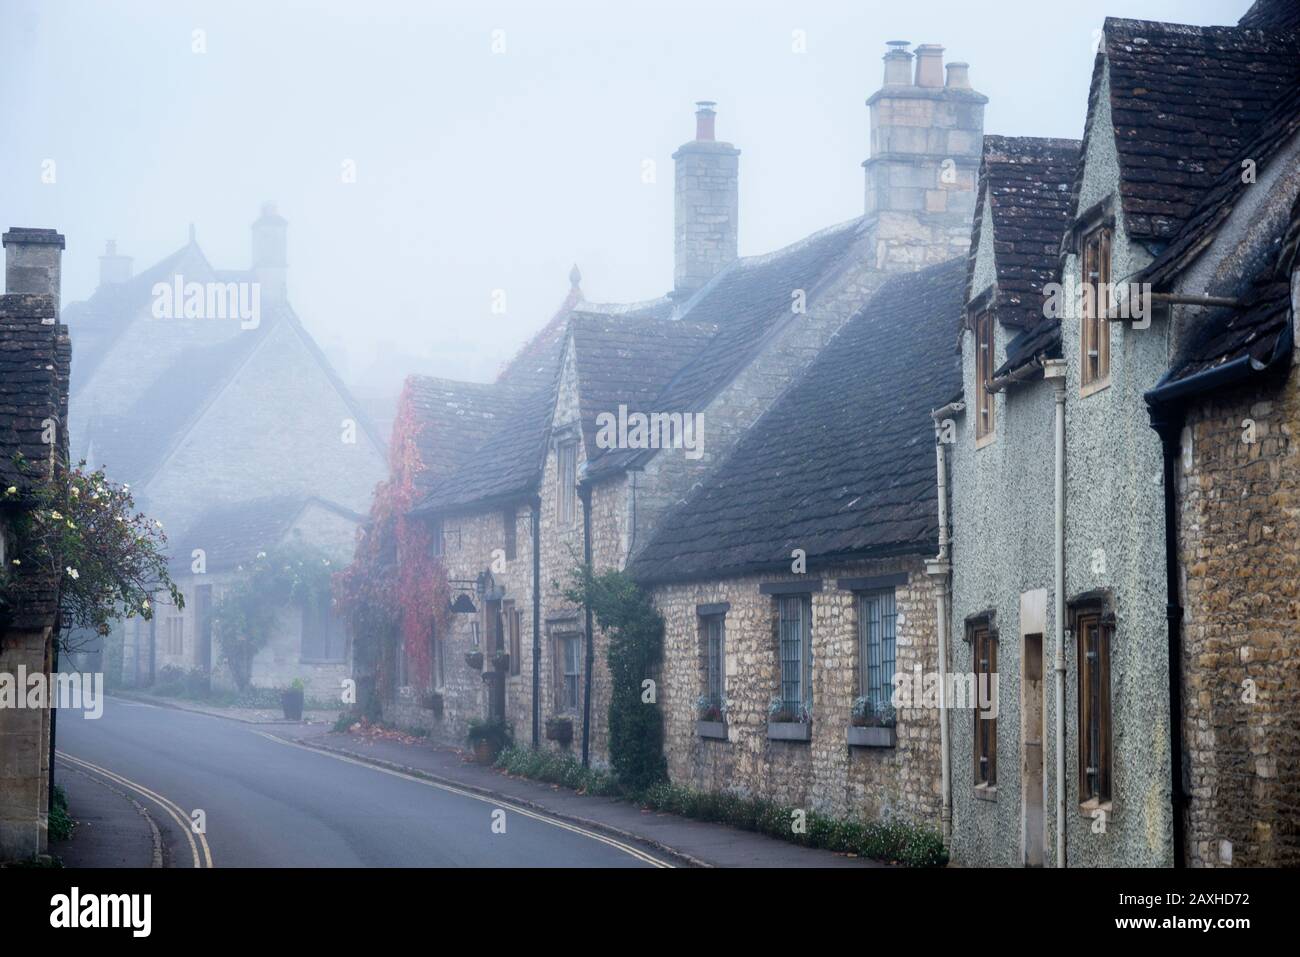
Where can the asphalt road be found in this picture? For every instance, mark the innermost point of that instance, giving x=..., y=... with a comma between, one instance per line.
x=268, y=803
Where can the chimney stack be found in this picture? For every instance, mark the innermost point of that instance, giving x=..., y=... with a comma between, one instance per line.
x=926, y=138
x=270, y=254
x=33, y=262
x=706, y=210
x=112, y=267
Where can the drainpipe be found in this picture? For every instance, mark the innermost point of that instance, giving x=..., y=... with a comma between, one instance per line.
x=584, y=491
x=1054, y=369
x=537, y=618
x=1167, y=420
x=940, y=571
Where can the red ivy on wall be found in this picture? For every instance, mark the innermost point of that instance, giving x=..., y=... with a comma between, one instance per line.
x=395, y=589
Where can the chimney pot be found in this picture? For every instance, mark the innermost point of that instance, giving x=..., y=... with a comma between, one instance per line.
x=958, y=76
x=704, y=120
x=898, y=63
x=929, y=65
x=33, y=261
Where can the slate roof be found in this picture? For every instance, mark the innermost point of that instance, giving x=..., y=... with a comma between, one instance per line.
x=1027, y=182
x=1272, y=15
x=624, y=360
x=35, y=354
x=1183, y=101
x=1260, y=329
x=748, y=301
x=842, y=465
x=232, y=534
x=453, y=419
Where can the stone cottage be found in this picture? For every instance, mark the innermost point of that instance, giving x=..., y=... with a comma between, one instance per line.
x=719, y=349
x=1085, y=764
x=793, y=582
x=1226, y=411
x=34, y=359
x=202, y=389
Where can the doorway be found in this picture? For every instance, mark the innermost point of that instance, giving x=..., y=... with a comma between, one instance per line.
x=1032, y=772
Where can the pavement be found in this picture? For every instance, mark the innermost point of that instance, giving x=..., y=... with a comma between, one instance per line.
x=247, y=715
x=224, y=790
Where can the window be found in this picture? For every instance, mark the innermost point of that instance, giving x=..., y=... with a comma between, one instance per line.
x=1094, y=337
x=439, y=661
x=436, y=538
x=492, y=612
x=714, y=677
x=566, y=469
x=796, y=651
x=876, y=617
x=175, y=635
x=984, y=647
x=324, y=636
x=509, y=522
x=568, y=662
x=1094, y=636
x=514, y=622
x=983, y=374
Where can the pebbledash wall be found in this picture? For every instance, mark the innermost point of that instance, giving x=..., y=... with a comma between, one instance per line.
x=1238, y=528
x=825, y=773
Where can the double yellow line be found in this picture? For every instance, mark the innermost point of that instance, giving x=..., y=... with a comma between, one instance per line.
x=628, y=849
x=172, y=809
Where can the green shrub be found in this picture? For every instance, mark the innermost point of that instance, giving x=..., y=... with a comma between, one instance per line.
x=60, y=822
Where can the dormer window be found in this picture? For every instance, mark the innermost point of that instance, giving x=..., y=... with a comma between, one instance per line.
x=1094, y=334
x=983, y=376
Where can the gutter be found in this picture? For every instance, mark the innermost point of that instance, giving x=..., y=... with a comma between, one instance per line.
x=940, y=572
x=1167, y=409
x=1029, y=370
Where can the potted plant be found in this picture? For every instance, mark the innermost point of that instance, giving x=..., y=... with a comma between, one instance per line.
x=433, y=702
x=291, y=700
x=560, y=730
x=711, y=717
x=501, y=661
x=871, y=723
x=474, y=659
x=786, y=722
x=487, y=737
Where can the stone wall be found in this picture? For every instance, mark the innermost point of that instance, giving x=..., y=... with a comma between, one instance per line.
x=824, y=774
x=1238, y=528
x=25, y=746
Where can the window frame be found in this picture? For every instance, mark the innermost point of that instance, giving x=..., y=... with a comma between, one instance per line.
x=1095, y=705
x=984, y=661
x=714, y=649
x=510, y=527
x=1095, y=261
x=566, y=478
x=886, y=642
x=437, y=543
x=985, y=348
x=803, y=656
x=514, y=626
x=561, y=642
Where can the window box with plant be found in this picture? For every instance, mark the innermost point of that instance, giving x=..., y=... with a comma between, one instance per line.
x=787, y=721
x=501, y=661
x=291, y=699
x=560, y=730
x=872, y=724
x=474, y=659
x=711, y=717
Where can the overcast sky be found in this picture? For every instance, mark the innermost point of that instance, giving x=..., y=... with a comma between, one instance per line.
x=479, y=170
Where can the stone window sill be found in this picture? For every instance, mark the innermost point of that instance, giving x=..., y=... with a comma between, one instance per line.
x=986, y=792
x=870, y=737
x=717, y=730
x=789, y=731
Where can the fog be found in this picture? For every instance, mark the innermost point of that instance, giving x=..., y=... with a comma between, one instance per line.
x=476, y=170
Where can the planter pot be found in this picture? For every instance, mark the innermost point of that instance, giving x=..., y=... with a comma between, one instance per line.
x=433, y=703
x=291, y=703
x=871, y=737
x=789, y=730
x=483, y=752
x=474, y=659
x=711, y=729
